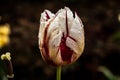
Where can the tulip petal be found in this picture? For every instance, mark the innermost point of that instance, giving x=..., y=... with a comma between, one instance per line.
x=70, y=18
x=54, y=43
x=77, y=33
x=65, y=18
x=61, y=19
x=46, y=15
x=66, y=51
x=44, y=22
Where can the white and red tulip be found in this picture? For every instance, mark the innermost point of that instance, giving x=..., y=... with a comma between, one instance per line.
x=61, y=37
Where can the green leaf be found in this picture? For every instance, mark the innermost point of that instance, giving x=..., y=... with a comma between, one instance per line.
x=108, y=73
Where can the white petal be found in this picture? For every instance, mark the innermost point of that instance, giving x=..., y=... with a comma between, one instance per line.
x=43, y=23
x=70, y=17
x=72, y=45
x=78, y=20
x=77, y=31
x=43, y=19
x=54, y=43
x=53, y=26
x=61, y=19
x=77, y=48
x=43, y=15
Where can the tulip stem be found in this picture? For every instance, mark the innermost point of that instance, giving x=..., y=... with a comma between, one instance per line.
x=58, y=73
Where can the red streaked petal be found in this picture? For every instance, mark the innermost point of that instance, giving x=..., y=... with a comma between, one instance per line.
x=47, y=15
x=66, y=52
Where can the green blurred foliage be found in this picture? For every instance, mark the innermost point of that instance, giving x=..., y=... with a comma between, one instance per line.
x=116, y=36
x=108, y=73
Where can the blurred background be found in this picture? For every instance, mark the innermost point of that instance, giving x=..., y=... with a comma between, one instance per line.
x=101, y=57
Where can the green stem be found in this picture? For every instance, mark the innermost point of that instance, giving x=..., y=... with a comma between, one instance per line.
x=58, y=73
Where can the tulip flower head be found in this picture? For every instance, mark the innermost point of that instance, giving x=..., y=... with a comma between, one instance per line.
x=61, y=37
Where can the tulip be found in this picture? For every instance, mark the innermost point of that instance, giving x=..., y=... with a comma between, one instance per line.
x=61, y=37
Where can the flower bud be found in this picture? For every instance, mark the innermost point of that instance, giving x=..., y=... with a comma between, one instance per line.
x=8, y=65
x=61, y=37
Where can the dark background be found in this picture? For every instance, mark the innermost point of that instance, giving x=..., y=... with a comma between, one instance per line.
x=102, y=38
